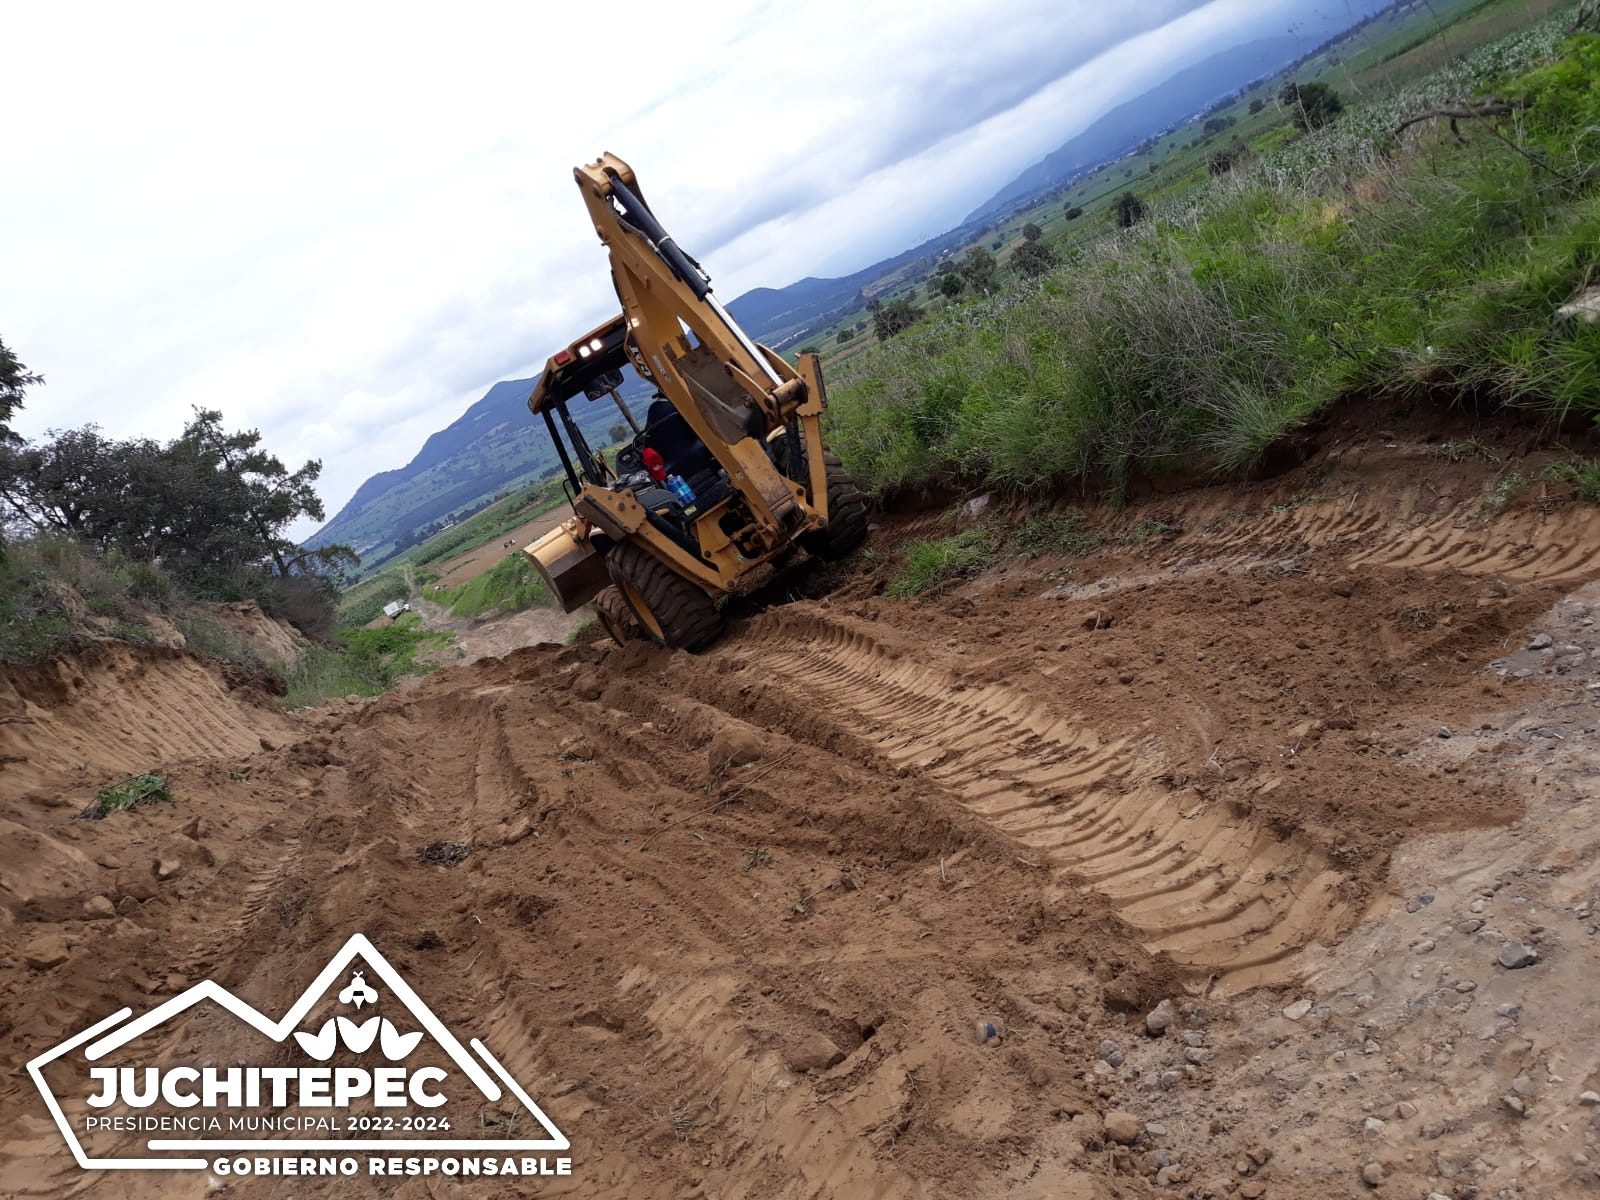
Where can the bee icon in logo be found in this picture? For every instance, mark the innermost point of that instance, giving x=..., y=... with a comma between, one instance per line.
x=358, y=992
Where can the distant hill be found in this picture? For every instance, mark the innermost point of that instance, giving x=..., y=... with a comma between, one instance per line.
x=493, y=447
x=1123, y=128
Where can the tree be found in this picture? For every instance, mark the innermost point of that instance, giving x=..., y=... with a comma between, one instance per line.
x=1313, y=104
x=1074, y=212
x=1218, y=125
x=212, y=507
x=1130, y=210
x=951, y=285
x=889, y=319
x=1034, y=258
x=1257, y=105
x=15, y=380
x=1031, y=232
x=843, y=336
x=977, y=267
x=618, y=433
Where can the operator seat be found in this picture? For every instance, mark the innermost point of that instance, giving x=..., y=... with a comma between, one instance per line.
x=669, y=435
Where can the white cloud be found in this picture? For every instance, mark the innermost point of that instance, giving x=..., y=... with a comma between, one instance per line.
x=342, y=223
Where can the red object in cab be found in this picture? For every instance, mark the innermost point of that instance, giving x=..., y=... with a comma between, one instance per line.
x=655, y=464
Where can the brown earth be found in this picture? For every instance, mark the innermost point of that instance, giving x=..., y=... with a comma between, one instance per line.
x=1291, y=756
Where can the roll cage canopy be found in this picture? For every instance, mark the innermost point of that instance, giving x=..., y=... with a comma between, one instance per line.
x=586, y=367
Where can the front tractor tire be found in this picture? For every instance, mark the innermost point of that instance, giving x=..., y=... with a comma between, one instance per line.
x=670, y=610
x=615, y=617
x=846, y=529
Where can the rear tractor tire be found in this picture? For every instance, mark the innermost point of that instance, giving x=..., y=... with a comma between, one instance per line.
x=615, y=617
x=846, y=529
x=669, y=609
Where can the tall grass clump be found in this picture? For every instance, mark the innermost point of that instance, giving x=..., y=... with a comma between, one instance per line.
x=1349, y=262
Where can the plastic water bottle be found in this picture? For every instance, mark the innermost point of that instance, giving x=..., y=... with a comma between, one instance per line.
x=680, y=489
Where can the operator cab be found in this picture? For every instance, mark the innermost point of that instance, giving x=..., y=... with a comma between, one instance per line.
x=662, y=449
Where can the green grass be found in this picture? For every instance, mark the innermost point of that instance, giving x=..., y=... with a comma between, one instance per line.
x=1064, y=532
x=939, y=560
x=1334, y=267
x=511, y=585
x=364, y=662
x=150, y=788
x=1582, y=475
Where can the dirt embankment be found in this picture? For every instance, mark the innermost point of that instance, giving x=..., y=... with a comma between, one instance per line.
x=1303, y=759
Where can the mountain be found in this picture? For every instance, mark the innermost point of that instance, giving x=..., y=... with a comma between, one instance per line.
x=492, y=448
x=1124, y=127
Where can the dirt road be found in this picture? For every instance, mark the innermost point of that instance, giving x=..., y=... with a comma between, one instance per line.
x=1310, y=761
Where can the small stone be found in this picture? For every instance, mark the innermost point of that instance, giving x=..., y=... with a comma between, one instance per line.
x=1589, y=1099
x=1370, y=1046
x=1522, y=1086
x=1514, y=1104
x=816, y=1053
x=1424, y=946
x=1373, y=1126
x=589, y=685
x=1154, y=1130
x=46, y=954
x=1443, y=732
x=1477, y=905
x=1372, y=1174
x=1123, y=1127
x=734, y=748
x=1465, y=985
x=1196, y=1056
x=1470, y=925
x=1514, y=956
x=1159, y=1019
x=1405, y=1110
x=1540, y=641
x=98, y=908
x=1298, y=1010
x=575, y=747
x=1252, y=1189
x=1111, y=1052
x=169, y=868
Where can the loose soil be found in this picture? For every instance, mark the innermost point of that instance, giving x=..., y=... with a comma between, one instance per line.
x=1301, y=758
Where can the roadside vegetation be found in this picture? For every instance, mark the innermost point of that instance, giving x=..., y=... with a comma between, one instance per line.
x=511, y=585
x=367, y=662
x=1348, y=257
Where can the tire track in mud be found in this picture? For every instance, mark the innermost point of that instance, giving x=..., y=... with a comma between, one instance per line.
x=1527, y=546
x=1218, y=892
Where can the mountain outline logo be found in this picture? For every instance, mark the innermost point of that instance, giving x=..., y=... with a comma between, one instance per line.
x=487, y=1074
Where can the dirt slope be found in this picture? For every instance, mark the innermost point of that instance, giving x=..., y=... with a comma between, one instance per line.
x=734, y=917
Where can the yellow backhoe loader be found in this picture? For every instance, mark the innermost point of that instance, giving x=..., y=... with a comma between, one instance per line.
x=726, y=472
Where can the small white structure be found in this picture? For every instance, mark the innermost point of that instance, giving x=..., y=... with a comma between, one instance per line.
x=394, y=608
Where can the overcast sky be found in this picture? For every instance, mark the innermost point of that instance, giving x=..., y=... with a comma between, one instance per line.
x=341, y=223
